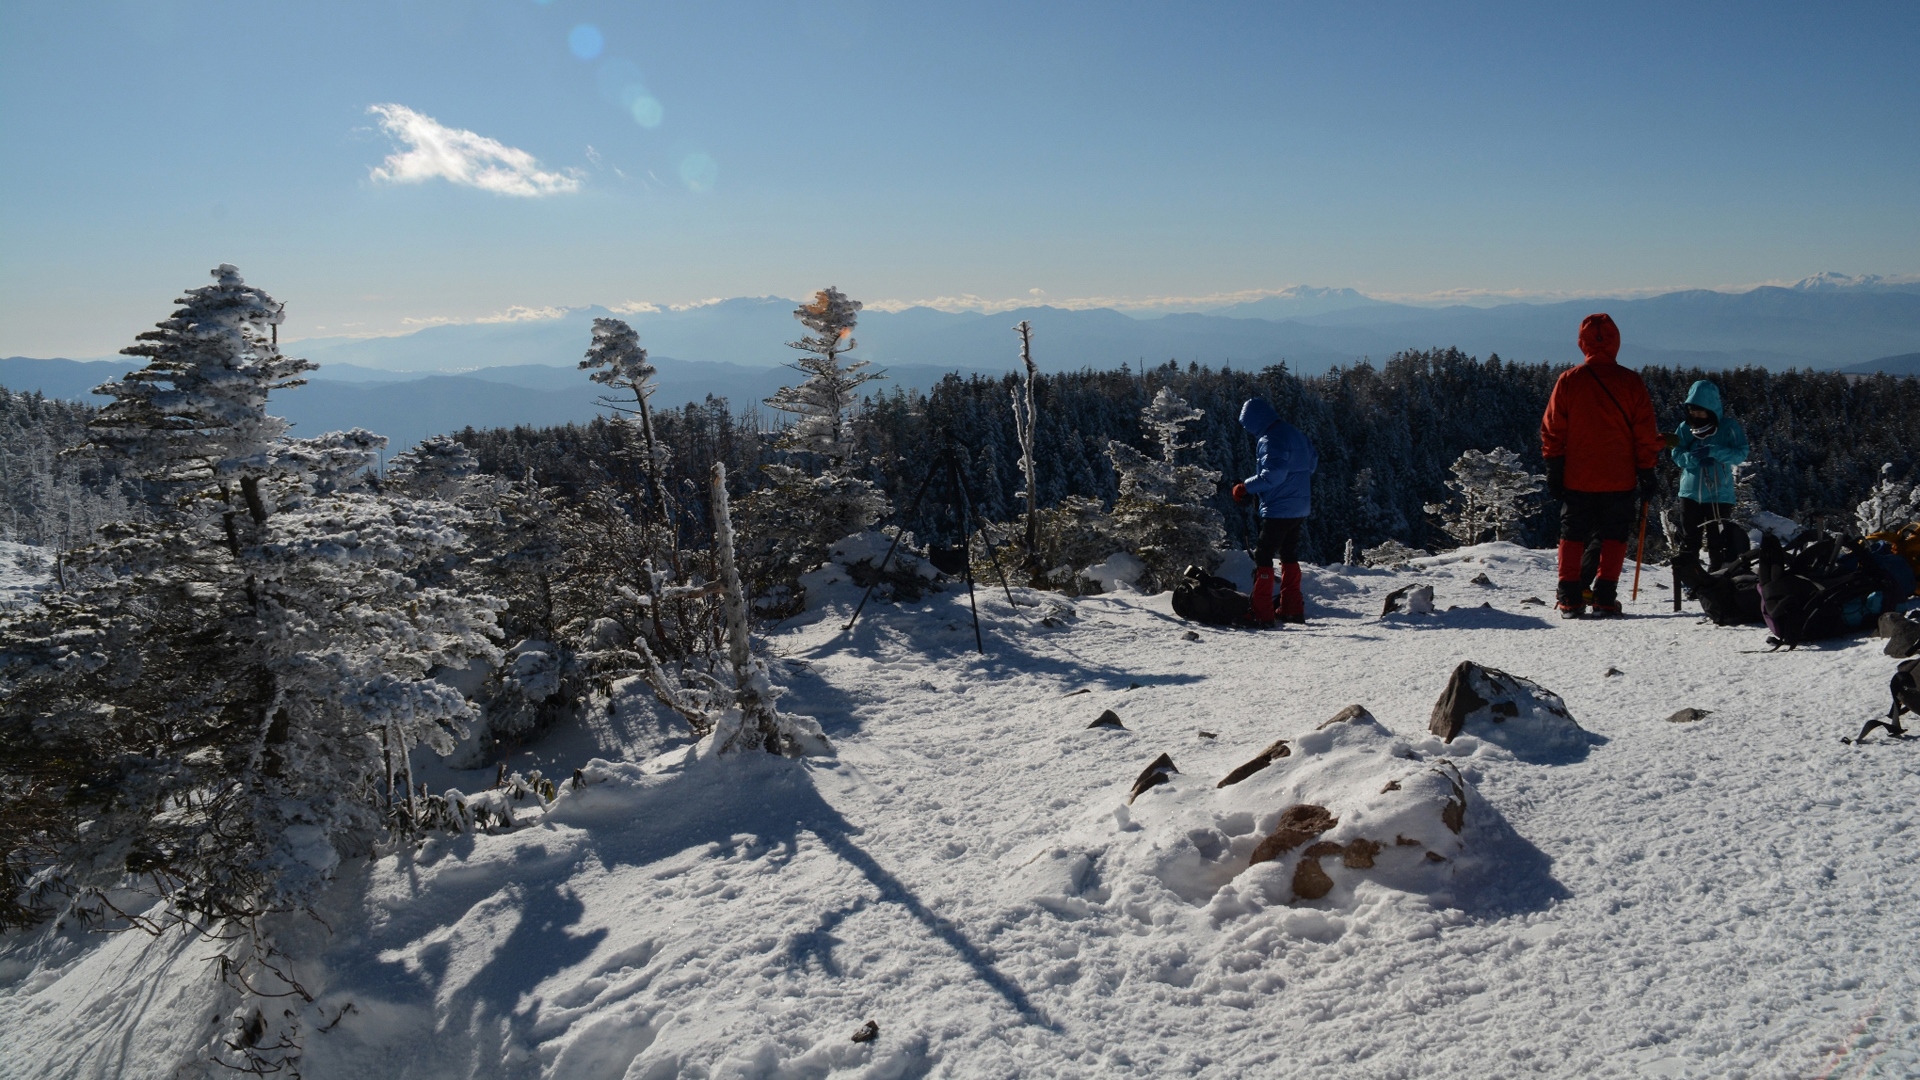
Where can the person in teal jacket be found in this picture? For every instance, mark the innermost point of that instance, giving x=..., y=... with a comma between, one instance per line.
x=1706, y=446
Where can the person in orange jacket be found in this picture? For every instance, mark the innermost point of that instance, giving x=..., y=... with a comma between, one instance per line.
x=1600, y=441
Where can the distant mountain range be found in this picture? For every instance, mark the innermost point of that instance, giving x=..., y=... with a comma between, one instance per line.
x=409, y=406
x=501, y=373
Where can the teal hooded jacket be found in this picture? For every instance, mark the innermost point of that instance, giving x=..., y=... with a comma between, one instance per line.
x=1706, y=465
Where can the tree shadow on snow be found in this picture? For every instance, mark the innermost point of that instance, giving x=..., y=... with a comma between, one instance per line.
x=771, y=802
x=1017, y=645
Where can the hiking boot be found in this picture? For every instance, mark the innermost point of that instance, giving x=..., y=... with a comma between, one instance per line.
x=1571, y=600
x=1605, y=598
x=1260, y=612
x=1293, y=605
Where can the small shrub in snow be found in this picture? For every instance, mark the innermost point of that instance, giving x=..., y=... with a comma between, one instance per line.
x=1162, y=513
x=1494, y=495
x=1391, y=555
x=1889, y=505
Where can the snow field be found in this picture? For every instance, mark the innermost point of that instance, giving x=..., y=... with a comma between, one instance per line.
x=1732, y=897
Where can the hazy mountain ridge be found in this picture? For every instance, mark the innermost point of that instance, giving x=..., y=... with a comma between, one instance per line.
x=503, y=373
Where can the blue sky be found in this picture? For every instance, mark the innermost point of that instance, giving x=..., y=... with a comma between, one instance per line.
x=908, y=152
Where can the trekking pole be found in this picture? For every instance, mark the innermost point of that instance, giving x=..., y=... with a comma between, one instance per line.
x=1641, y=554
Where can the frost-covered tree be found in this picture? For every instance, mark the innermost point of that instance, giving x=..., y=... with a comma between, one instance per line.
x=1889, y=505
x=792, y=521
x=1494, y=494
x=619, y=363
x=1025, y=420
x=1162, y=512
x=822, y=404
x=220, y=708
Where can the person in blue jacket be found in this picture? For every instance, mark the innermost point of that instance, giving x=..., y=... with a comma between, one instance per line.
x=1284, y=486
x=1706, y=446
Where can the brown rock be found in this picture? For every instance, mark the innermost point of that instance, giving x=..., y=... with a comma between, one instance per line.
x=1154, y=775
x=1456, y=702
x=1309, y=881
x=1109, y=719
x=1454, y=814
x=1392, y=785
x=1434, y=856
x=1351, y=712
x=1274, y=752
x=1688, y=716
x=1298, y=824
x=1401, y=841
x=1359, y=854
x=868, y=1032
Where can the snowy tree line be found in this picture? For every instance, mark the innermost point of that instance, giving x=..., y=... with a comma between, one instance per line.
x=1388, y=438
x=53, y=492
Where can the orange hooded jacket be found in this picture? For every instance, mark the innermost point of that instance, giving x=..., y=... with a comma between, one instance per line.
x=1600, y=417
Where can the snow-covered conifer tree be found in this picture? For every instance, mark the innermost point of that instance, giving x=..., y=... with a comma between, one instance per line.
x=222, y=705
x=1889, y=505
x=1162, y=513
x=822, y=404
x=791, y=522
x=617, y=361
x=1493, y=496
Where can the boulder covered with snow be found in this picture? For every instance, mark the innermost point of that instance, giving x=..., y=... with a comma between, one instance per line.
x=1316, y=818
x=861, y=559
x=1516, y=714
x=1121, y=571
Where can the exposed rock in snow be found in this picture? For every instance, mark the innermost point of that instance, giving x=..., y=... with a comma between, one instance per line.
x=1159, y=772
x=1108, y=719
x=1521, y=716
x=1689, y=715
x=1275, y=750
x=1418, y=599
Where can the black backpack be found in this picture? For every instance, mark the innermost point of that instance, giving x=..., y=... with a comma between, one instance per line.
x=1825, y=587
x=1202, y=597
x=1730, y=594
x=1906, y=699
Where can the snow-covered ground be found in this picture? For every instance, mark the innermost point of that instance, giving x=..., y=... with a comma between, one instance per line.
x=1732, y=897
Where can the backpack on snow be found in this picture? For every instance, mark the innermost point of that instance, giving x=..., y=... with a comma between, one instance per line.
x=1202, y=597
x=1906, y=699
x=1904, y=541
x=1824, y=587
x=1729, y=594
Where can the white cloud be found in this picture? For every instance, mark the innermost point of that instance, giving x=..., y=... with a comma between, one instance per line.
x=516, y=313
x=430, y=149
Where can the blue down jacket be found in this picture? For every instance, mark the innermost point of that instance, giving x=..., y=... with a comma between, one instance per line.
x=1706, y=465
x=1287, y=461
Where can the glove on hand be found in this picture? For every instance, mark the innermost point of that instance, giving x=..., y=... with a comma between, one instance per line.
x=1241, y=495
x=1557, y=477
x=1672, y=439
x=1649, y=484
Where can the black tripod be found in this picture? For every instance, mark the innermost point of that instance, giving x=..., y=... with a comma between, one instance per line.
x=951, y=462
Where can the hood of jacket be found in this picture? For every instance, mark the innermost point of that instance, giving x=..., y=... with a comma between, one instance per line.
x=1707, y=396
x=1257, y=416
x=1599, y=339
